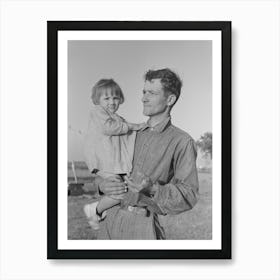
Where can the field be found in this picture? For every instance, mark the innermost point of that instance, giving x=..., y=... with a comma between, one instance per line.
x=194, y=224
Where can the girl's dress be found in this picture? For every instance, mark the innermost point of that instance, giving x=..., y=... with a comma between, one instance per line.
x=109, y=145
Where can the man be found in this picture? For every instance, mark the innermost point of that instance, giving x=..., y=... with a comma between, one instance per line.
x=165, y=156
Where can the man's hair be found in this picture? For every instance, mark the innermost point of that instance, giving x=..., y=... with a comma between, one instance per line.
x=170, y=81
x=107, y=86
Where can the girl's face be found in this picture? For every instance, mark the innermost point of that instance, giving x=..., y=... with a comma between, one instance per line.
x=109, y=102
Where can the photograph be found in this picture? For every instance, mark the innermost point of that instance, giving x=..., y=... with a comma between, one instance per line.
x=143, y=140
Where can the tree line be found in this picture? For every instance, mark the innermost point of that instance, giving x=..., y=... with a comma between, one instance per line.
x=204, y=143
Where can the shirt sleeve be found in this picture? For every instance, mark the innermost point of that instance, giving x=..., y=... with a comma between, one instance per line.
x=110, y=125
x=181, y=193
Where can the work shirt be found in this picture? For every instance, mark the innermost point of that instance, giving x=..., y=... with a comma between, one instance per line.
x=167, y=155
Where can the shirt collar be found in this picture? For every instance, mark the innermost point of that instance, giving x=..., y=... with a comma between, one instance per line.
x=159, y=127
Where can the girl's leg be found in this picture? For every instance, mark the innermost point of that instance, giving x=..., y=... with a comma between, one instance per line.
x=105, y=203
x=96, y=211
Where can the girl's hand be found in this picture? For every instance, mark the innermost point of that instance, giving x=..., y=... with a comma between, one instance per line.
x=135, y=126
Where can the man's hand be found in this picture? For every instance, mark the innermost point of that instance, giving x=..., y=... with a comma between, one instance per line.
x=142, y=194
x=132, y=186
x=113, y=186
x=146, y=186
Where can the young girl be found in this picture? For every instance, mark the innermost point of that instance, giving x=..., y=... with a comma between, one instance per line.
x=109, y=143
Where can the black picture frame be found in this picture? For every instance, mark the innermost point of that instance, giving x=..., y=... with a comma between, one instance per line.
x=53, y=27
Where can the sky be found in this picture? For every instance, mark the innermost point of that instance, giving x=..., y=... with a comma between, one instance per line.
x=126, y=62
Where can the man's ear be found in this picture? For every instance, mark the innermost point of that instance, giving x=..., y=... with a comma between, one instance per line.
x=171, y=99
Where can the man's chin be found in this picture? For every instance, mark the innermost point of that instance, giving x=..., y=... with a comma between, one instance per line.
x=145, y=113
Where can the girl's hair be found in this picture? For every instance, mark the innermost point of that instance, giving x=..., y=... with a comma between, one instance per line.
x=106, y=86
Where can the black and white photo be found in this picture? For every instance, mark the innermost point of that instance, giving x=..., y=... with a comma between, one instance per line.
x=141, y=126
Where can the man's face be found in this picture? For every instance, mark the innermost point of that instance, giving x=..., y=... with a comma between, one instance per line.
x=154, y=99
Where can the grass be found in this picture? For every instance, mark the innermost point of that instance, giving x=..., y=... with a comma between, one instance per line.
x=78, y=227
x=194, y=224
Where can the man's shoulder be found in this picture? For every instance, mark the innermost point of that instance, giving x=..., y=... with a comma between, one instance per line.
x=180, y=134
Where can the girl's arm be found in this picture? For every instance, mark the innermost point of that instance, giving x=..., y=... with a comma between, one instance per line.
x=114, y=125
x=109, y=125
x=136, y=126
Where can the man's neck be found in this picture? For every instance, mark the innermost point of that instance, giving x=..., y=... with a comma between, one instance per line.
x=155, y=120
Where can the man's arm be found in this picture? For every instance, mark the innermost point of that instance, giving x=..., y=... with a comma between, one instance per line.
x=110, y=186
x=181, y=193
